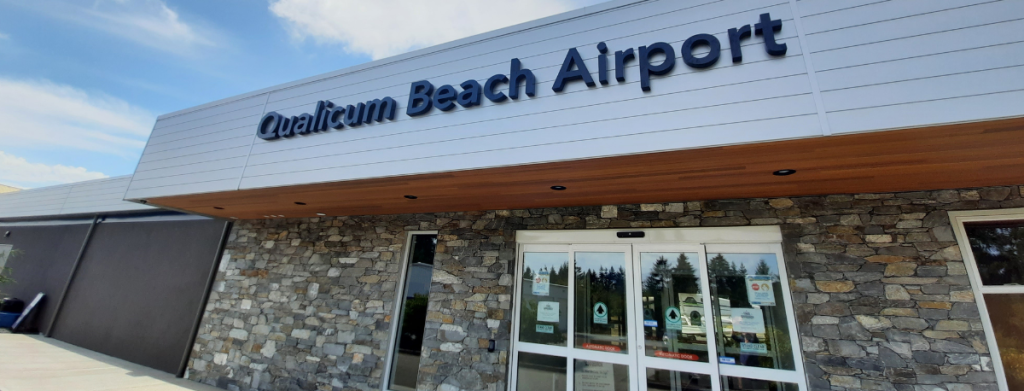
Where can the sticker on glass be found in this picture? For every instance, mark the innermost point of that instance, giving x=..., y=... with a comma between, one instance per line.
x=542, y=283
x=673, y=319
x=749, y=347
x=747, y=320
x=727, y=360
x=759, y=290
x=650, y=323
x=547, y=311
x=600, y=313
x=594, y=376
x=545, y=328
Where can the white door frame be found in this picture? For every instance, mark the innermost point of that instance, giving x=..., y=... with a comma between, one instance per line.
x=957, y=220
x=764, y=239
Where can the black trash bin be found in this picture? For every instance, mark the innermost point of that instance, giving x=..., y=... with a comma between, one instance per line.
x=12, y=304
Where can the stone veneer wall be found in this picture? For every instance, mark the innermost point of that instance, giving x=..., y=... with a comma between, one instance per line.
x=882, y=297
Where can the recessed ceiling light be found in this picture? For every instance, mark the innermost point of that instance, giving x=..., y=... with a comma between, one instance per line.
x=300, y=203
x=558, y=188
x=321, y=214
x=784, y=172
x=265, y=216
x=234, y=218
x=411, y=197
x=218, y=208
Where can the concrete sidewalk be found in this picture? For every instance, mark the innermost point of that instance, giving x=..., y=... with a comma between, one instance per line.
x=36, y=363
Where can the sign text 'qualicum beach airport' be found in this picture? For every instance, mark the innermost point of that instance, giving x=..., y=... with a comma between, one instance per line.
x=423, y=96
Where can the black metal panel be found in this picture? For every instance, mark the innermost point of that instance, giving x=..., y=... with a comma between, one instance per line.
x=138, y=288
x=47, y=254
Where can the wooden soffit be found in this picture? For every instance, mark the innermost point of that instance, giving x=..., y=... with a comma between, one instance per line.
x=955, y=156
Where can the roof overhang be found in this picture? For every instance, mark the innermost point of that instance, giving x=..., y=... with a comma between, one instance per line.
x=942, y=157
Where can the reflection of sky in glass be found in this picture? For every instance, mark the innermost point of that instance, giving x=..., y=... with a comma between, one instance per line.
x=647, y=261
x=595, y=261
x=750, y=261
x=538, y=261
x=419, y=279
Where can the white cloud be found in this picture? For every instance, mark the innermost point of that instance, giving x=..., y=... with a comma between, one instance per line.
x=45, y=115
x=382, y=28
x=148, y=22
x=19, y=172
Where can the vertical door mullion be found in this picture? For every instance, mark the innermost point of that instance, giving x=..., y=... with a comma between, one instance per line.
x=705, y=276
x=638, y=324
x=631, y=332
x=570, y=313
x=517, y=296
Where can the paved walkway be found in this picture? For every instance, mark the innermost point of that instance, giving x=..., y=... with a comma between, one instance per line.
x=36, y=363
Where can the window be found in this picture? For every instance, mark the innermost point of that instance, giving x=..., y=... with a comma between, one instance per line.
x=992, y=246
x=5, y=252
x=412, y=315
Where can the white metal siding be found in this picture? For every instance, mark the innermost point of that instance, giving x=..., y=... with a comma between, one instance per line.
x=98, y=196
x=907, y=63
x=878, y=65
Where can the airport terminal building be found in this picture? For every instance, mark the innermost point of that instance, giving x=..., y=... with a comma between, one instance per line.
x=640, y=195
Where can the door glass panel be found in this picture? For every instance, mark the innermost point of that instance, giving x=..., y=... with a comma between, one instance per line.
x=600, y=376
x=751, y=319
x=545, y=299
x=601, y=320
x=1009, y=331
x=660, y=379
x=742, y=384
x=539, y=372
x=998, y=249
x=674, y=322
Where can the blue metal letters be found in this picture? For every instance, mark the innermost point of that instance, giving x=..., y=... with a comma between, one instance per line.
x=423, y=97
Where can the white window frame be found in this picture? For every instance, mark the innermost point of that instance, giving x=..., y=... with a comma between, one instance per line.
x=957, y=220
x=746, y=239
x=385, y=384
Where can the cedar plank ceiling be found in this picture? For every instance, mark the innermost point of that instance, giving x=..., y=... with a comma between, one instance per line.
x=955, y=156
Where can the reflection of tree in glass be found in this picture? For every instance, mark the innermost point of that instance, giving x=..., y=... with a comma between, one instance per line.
x=729, y=284
x=763, y=269
x=664, y=283
x=661, y=274
x=413, y=316
x=560, y=276
x=606, y=285
x=528, y=325
x=999, y=252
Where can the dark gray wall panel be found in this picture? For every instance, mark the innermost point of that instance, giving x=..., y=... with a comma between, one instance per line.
x=138, y=289
x=48, y=254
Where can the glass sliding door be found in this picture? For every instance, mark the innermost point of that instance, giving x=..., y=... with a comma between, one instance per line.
x=674, y=313
x=755, y=331
x=574, y=315
x=639, y=317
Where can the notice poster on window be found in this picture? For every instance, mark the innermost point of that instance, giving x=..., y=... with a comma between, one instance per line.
x=759, y=290
x=542, y=283
x=747, y=320
x=748, y=347
x=594, y=376
x=547, y=311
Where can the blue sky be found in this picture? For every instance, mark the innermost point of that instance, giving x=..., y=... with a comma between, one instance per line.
x=82, y=81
